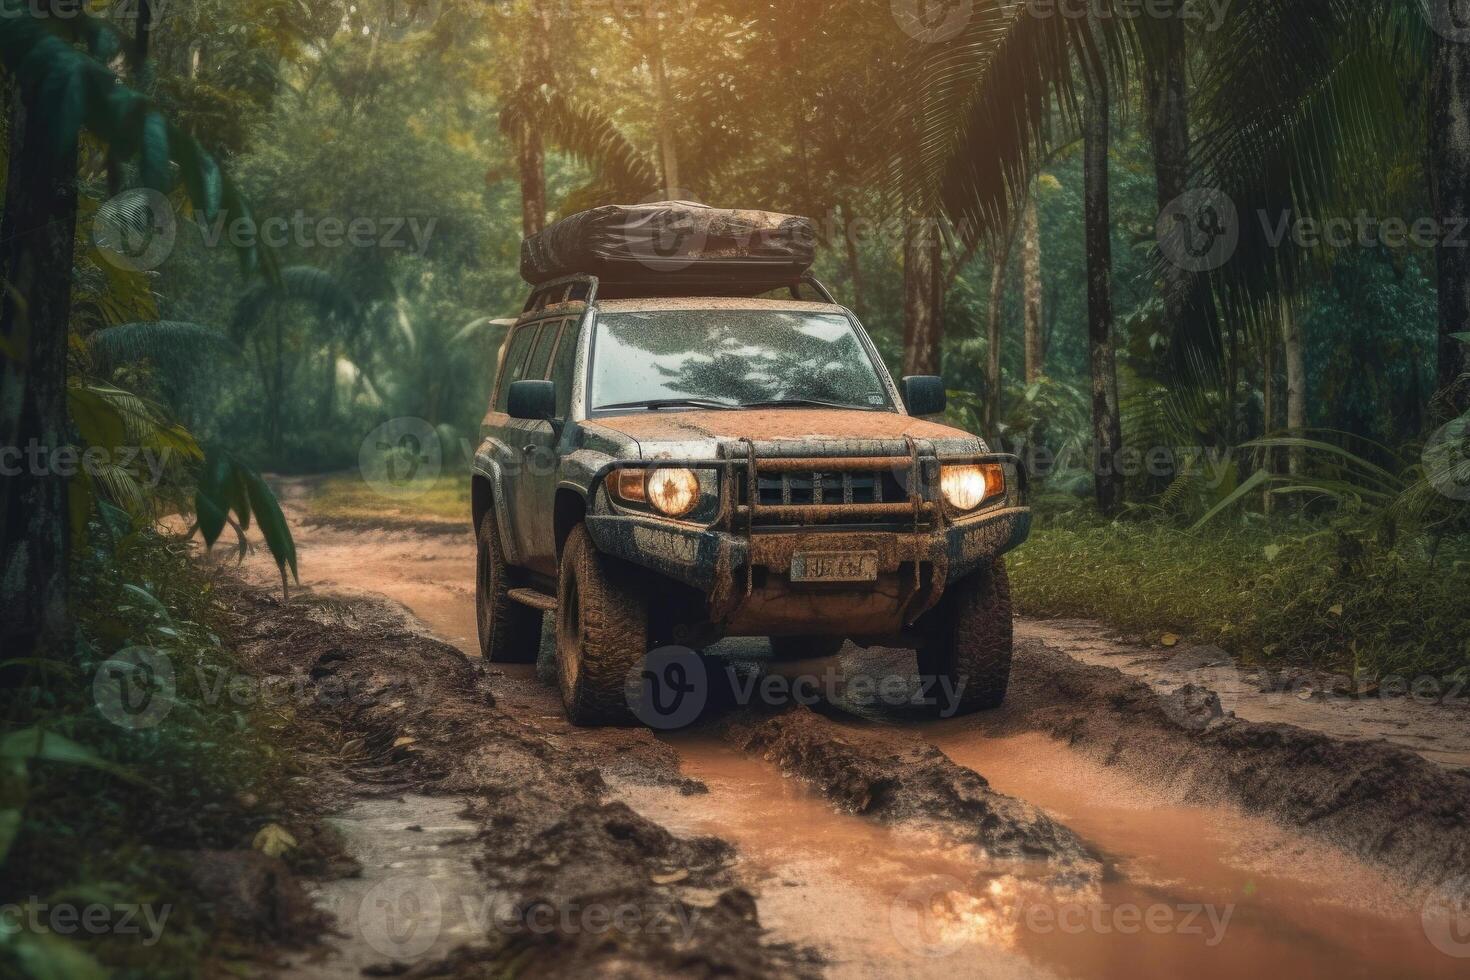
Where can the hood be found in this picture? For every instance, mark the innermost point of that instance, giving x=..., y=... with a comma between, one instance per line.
x=696, y=433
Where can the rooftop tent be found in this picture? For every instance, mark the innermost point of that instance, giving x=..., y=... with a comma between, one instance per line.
x=673, y=247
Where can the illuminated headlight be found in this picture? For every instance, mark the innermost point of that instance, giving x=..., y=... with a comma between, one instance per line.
x=967, y=487
x=674, y=492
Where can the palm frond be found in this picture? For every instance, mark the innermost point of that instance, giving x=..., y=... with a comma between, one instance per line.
x=170, y=344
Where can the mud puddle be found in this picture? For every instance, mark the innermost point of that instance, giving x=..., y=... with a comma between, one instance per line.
x=1198, y=891
x=858, y=891
x=417, y=894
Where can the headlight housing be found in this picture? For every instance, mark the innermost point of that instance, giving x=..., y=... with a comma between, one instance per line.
x=967, y=486
x=673, y=491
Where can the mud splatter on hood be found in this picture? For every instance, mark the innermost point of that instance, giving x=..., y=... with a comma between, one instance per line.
x=686, y=429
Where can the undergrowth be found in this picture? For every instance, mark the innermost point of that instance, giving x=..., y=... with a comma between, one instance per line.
x=108, y=813
x=1344, y=594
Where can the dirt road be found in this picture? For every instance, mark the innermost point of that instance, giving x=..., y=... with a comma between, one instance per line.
x=1107, y=822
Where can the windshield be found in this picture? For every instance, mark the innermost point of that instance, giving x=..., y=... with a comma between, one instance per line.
x=732, y=358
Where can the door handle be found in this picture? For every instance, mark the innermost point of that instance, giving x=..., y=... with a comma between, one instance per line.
x=530, y=450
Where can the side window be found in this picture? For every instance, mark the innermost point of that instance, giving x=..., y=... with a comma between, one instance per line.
x=515, y=360
x=536, y=366
x=562, y=367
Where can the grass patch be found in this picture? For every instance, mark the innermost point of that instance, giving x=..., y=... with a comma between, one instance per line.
x=348, y=496
x=1340, y=596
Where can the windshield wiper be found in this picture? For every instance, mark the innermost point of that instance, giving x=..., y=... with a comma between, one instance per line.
x=798, y=402
x=656, y=403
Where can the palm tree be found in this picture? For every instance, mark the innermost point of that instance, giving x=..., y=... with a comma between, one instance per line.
x=981, y=112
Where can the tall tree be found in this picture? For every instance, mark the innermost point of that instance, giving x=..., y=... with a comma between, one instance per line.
x=1449, y=152
x=1107, y=426
x=1165, y=85
x=923, y=270
x=1031, y=288
x=36, y=237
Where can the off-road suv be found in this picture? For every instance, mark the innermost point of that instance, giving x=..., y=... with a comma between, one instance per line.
x=671, y=470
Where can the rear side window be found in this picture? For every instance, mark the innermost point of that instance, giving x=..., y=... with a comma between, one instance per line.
x=515, y=361
x=536, y=366
x=563, y=367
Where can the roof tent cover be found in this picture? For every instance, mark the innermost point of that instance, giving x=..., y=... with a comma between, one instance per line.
x=673, y=243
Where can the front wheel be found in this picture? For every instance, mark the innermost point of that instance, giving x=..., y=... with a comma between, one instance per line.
x=601, y=633
x=965, y=656
x=510, y=633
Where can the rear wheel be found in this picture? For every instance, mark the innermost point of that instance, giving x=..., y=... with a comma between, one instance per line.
x=965, y=658
x=509, y=632
x=601, y=633
x=805, y=647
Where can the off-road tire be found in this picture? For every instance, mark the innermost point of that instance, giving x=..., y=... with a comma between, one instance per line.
x=510, y=633
x=805, y=647
x=967, y=638
x=601, y=633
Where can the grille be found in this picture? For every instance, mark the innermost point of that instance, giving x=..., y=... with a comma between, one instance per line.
x=816, y=487
x=877, y=496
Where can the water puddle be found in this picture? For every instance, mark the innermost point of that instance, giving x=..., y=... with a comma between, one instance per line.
x=418, y=895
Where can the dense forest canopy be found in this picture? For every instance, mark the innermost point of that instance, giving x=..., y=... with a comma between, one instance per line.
x=1128, y=236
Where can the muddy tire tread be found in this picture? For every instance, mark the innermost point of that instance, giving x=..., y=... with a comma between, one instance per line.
x=970, y=636
x=510, y=633
x=613, y=614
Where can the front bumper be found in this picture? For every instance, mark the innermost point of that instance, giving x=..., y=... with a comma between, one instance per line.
x=744, y=571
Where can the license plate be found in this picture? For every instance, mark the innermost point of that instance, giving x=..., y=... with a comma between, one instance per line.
x=834, y=566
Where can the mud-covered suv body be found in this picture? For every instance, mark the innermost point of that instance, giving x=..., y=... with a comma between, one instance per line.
x=813, y=524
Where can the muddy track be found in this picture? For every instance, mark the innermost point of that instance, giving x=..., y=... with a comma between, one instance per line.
x=418, y=716
x=790, y=840
x=1382, y=804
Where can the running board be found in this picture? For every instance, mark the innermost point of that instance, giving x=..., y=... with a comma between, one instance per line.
x=532, y=598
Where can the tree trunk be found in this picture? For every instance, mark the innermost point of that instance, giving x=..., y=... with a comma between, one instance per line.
x=1107, y=427
x=1268, y=411
x=854, y=261
x=1000, y=258
x=530, y=150
x=922, y=269
x=36, y=235
x=1031, y=279
x=1165, y=84
x=1296, y=383
x=668, y=153
x=1449, y=128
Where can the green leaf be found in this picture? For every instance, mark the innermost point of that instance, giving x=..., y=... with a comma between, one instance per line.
x=273, y=524
x=153, y=153
x=1254, y=480
x=36, y=744
x=214, y=495
x=46, y=956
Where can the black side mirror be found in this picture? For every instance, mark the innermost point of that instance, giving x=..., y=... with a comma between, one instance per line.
x=924, y=394
x=534, y=400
